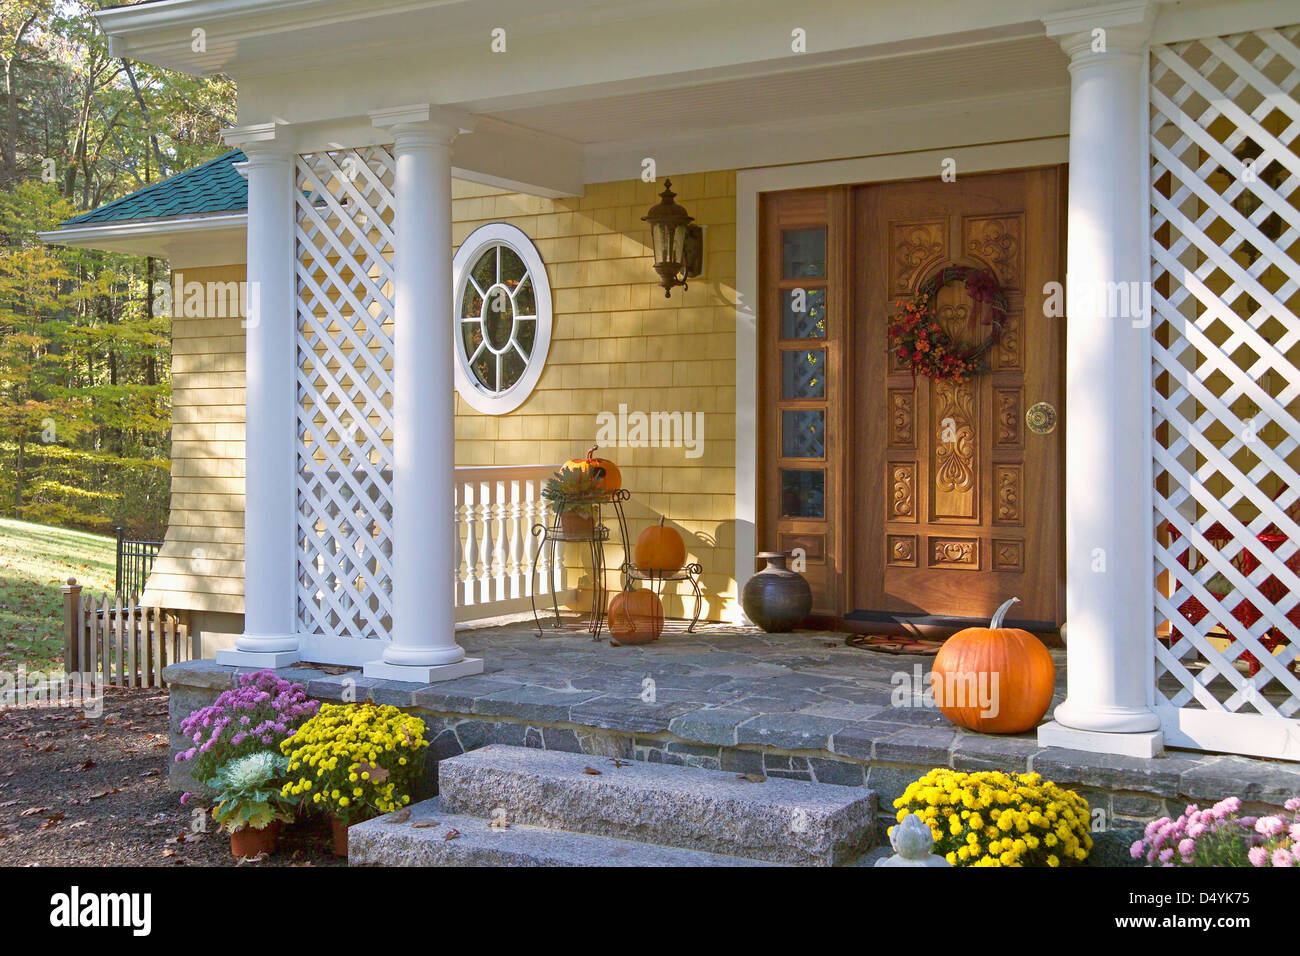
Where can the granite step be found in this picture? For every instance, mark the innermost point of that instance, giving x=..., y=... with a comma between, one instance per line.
x=380, y=842
x=776, y=820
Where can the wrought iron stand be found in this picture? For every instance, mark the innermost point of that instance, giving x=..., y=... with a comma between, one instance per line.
x=595, y=538
x=690, y=573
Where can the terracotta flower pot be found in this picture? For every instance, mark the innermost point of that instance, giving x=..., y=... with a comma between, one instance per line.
x=248, y=842
x=576, y=525
x=339, y=830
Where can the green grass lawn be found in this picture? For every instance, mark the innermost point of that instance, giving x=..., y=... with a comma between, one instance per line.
x=35, y=561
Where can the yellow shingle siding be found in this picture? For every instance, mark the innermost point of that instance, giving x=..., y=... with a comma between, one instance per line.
x=616, y=340
x=201, y=565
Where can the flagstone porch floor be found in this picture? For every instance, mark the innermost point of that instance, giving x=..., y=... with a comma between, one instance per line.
x=801, y=705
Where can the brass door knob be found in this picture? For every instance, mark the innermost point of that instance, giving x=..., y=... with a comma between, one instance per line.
x=1041, y=418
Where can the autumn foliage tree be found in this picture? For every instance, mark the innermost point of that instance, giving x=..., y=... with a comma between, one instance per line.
x=84, y=353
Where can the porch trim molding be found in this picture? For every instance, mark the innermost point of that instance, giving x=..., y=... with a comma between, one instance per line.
x=215, y=239
x=750, y=184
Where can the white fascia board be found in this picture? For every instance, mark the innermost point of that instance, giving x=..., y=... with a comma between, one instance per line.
x=217, y=239
x=163, y=32
x=1192, y=20
x=444, y=45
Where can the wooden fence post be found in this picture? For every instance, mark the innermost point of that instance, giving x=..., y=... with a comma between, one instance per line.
x=71, y=627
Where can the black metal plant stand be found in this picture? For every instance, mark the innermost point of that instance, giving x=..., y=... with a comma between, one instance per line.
x=691, y=573
x=553, y=534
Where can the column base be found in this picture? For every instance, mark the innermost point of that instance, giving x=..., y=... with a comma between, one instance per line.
x=258, y=659
x=1146, y=743
x=423, y=673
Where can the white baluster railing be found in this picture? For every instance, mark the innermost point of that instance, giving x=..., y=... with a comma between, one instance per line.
x=498, y=567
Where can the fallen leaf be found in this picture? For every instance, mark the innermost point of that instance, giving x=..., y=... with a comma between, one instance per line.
x=751, y=777
x=424, y=824
x=619, y=763
x=377, y=774
x=591, y=770
x=8, y=803
x=33, y=811
x=86, y=764
x=100, y=794
x=451, y=834
x=401, y=816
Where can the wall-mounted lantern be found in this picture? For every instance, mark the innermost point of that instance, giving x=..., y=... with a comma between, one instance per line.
x=678, y=245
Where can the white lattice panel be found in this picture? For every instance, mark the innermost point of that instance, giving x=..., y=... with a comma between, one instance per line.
x=345, y=384
x=1226, y=346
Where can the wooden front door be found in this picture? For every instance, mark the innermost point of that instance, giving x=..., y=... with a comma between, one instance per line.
x=955, y=503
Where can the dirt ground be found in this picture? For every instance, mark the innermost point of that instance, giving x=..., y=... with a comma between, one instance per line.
x=92, y=791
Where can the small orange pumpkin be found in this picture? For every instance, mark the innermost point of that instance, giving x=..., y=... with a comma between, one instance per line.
x=659, y=549
x=601, y=469
x=995, y=679
x=636, y=617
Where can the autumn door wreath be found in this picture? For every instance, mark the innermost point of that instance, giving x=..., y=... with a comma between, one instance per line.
x=923, y=345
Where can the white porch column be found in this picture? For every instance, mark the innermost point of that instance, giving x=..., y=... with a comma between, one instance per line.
x=270, y=442
x=1107, y=394
x=424, y=646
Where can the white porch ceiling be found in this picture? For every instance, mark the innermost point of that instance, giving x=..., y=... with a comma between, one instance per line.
x=1021, y=66
x=588, y=88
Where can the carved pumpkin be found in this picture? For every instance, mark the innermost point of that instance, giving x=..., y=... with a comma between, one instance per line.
x=636, y=617
x=602, y=469
x=659, y=549
x=995, y=679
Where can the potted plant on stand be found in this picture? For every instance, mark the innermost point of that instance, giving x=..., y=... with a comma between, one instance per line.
x=250, y=806
x=354, y=762
x=573, y=495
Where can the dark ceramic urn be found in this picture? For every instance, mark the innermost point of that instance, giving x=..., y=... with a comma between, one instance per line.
x=776, y=598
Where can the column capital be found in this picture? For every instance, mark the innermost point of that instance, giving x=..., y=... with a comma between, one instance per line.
x=1112, y=29
x=423, y=123
x=262, y=142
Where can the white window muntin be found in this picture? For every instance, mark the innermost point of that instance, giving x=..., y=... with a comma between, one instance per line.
x=484, y=239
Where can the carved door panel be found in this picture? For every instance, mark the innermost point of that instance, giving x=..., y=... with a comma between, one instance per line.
x=956, y=502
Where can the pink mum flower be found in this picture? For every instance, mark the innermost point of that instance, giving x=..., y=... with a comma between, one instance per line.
x=1269, y=826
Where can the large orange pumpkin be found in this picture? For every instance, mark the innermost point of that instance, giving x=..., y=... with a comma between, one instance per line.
x=659, y=549
x=602, y=469
x=636, y=617
x=995, y=679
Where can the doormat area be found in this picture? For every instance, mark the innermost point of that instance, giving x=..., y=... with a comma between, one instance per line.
x=893, y=644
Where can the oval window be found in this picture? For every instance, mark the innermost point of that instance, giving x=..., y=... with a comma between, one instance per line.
x=503, y=318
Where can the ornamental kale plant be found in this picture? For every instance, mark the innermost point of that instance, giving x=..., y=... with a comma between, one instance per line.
x=258, y=714
x=250, y=792
x=1220, y=836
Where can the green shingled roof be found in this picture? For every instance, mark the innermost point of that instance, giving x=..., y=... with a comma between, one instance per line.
x=216, y=186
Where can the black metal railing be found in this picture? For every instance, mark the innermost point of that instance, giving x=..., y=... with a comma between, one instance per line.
x=135, y=559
